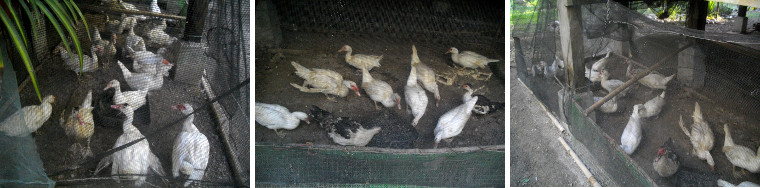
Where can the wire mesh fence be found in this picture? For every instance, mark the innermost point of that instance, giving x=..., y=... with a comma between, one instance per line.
x=148, y=50
x=312, y=33
x=713, y=70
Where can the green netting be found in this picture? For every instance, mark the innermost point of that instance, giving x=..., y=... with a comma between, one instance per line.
x=20, y=164
x=289, y=165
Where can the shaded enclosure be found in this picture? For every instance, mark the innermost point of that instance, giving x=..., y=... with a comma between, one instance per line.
x=715, y=70
x=217, y=51
x=311, y=32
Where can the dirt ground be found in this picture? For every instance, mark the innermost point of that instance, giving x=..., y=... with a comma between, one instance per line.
x=274, y=74
x=536, y=156
x=53, y=144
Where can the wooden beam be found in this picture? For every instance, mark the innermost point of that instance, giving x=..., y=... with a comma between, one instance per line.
x=696, y=17
x=196, y=19
x=632, y=80
x=129, y=12
x=571, y=38
x=749, y=3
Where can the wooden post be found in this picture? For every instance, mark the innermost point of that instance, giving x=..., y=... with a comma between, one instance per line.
x=696, y=18
x=742, y=11
x=740, y=24
x=196, y=19
x=571, y=37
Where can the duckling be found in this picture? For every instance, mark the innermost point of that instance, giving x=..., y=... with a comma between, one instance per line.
x=701, y=136
x=739, y=155
x=631, y=137
x=653, y=107
x=483, y=106
x=666, y=161
x=655, y=81
x=343, y=130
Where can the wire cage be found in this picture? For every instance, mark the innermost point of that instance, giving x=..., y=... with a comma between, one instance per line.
x=712, y=69
x=175, y=53
x=310, y=33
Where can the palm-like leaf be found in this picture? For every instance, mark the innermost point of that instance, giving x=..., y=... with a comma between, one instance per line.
x=63, y=17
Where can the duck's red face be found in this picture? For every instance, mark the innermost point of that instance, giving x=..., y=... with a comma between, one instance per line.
x=117, y=106
x=166, y=62
x=448, y=51
x=661, y=152
x=179, y=107
x=356, y=89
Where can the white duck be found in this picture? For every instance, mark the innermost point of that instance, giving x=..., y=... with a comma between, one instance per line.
x=611, y=85
x=135, y=99
x=276, y=117
x=142, y=81
x=724, y=183
x=157, y=37
x=191, y=149
x=148, y=62
x=426, y=76
x=361, y=60
x=632, y=133
x=611, y=106
x=415, y=96
x=379, y=91
x=593, y=73
x=135, y=159
x=655, y=81
x=701, y=136
x=72, y=60
x=323, y=81
x=133, y=43
x=452, y=122
x=653, y=106
x=740, y=156
x=469, y=59
x=34, y=117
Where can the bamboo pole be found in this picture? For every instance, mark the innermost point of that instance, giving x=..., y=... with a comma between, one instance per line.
x=125, y=11
x=580, y=164
x=632, y=80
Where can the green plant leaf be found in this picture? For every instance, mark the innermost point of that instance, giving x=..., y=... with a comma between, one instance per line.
x=31, y=18
x=18, y=23
x=76, y=9
x=18, y=42
x=67, y=24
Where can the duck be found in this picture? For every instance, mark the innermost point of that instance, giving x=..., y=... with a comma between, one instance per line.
x=452, y=122
x=142, y=81
x=655, y=81
x=80, y=125
x=109, y=48
x=552, y=70
x=415, y=96
x=361, y=60
x=469, y=59
x=135, y=99
x=666, y=161
x=89, y=64
x=740, y=156
x=701, y=136
x=34, y=116
x=129, y=6
x=483, y=106
x=653, y=106
x=343, y=130
x=611, y=85
x=191, y=148
x=426, y=76
x=379, y=91
x=724, y=183
x=149, y=62
x=631, y=72
x=611, y=106
x=157, y=37
x=593, y=73
x=135, y=159
x=133, y=43
x=274, y=116
x=631, y=137
x=323, y=81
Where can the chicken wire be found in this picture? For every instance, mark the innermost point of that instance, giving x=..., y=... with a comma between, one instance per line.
x=311, y=32
x=714, y=70
x=222, y=51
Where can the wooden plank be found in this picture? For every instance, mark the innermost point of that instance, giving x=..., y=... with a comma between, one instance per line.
x=749, y=3
x=696, y=17
x=571, y=37
x=129, y=12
